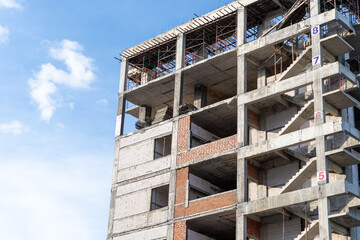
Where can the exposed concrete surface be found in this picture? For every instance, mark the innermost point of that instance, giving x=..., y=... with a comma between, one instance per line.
x=260, y=129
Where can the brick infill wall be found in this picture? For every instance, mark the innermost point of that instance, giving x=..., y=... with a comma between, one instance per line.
x=206, y=204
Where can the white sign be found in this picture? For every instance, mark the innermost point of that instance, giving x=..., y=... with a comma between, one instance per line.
x=315, y=30
x=321, y=176
x=316, y=60
x=318, y=115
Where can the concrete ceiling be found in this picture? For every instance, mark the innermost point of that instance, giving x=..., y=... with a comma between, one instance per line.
x=218, y=226
x=220, y=120
x=220, y=171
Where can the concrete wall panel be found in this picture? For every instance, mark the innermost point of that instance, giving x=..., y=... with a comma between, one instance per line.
x=132, y=204
x=275, y=230
x=146, y=134
x=144, y=169
x=153, y=233
x=278, y=120
x=130, y=156
x=148, y=183
x=281, y=175
x=141, y=221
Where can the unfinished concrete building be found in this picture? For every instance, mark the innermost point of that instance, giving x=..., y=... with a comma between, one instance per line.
x=248, y=126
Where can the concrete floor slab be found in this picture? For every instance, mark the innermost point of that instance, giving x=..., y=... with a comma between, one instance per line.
x=346, y=219
x=344, y=157
x=339, y=99
x=336, y=45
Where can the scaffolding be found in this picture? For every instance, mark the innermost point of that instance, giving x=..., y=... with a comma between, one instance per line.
x=151, y=65
x=349, y=9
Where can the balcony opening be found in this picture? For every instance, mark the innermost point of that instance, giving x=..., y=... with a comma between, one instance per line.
x=213, y=124
x=151, y=104
x=357, y=117
x=162, y=147
x=212, y=177
x=213, y=227
x=159, y=197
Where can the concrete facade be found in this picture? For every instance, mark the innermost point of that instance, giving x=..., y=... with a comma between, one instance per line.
x=248, y=126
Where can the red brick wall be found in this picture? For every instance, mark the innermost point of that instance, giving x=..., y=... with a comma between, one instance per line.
x=253, y=228
x=180, y=232
x=253, y=171
x=183, y=134
x=182, y=175
x=180, y=228
x=253, y=118
x=206, y=204
x=208, y=150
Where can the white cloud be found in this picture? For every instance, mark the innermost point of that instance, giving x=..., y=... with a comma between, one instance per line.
x=46, y=82
x=4, y=34
x=9, y=4
x=14, y=127
x=102, y=101
x=65, y=198
x=60, y=125
x=72, y=106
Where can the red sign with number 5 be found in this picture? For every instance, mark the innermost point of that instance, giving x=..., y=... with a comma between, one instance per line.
x=321, y=176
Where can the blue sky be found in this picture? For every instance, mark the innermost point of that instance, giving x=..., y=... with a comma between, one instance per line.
x=58, y=100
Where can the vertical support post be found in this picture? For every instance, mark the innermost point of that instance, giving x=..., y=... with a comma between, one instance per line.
x=200, y=96
x=172, y=182
x=179, y=78
x=114, y=188
x=261, y=77
x=178, y=95
x=145, y=114
x=119, y=130
x=241, y=226
x=241, y=232
x=320, y=118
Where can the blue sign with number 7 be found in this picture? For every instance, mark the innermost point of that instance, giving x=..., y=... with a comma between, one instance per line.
x=316, y=60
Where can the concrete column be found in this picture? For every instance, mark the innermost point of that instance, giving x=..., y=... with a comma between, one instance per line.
x=241, y=228
x=178, y=95
x=172, y=183
x=113, y=190
x=145, y=114
x=179, y=78
x=241, y=26
x=319, y=109
x=201, y=54
x=261, y=77
x=121, y=98
x=200, y=96
x=242, y=126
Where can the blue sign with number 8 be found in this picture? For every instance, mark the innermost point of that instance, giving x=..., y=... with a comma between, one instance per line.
x=315, y=30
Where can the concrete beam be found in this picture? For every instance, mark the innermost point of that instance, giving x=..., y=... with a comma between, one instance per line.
x=293, y=83
x=289, y=32
x=293, y=198
x=292, y=139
